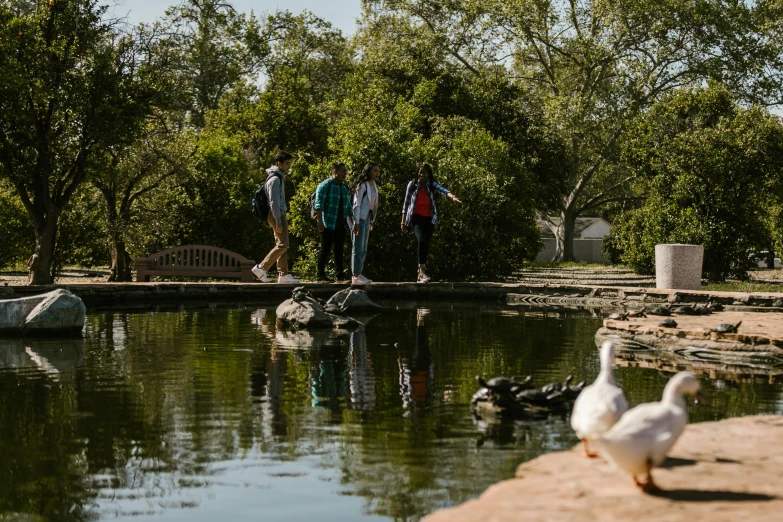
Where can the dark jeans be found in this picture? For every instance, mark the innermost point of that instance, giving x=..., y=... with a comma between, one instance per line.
x=422, y=229
x=329, y=238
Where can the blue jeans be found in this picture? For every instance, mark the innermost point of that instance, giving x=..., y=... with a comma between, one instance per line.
x=360, y=246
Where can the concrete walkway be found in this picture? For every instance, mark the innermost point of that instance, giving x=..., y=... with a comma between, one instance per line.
x=139, y=294
x=729, y=471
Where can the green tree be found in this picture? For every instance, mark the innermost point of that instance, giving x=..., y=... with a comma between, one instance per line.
x=125, y=175
x=594, y=66
x=72, y=87
x=216, y=48
x=306, y=67
x=713, y=173
x=16, y=234
x=406, y=105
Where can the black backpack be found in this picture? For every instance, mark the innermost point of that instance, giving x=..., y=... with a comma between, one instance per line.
x=260, y=204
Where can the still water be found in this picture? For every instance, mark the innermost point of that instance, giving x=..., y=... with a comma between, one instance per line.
x=215, y=415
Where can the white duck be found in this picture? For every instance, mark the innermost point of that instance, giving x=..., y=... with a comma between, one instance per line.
x=600, y=405
x=646, y=433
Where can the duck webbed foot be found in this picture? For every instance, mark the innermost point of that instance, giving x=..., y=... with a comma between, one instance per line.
x=587, y=453
x=648, y=486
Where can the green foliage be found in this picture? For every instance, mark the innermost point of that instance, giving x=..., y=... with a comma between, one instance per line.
x=158, y=221
x=72, y=87
x=591, y=68
x=711, y=169
x=16, y=231
x=213, y=48
x=216, y=210
x=485, y=238
x=272, y=120
x=175, y=122
x=82, y=237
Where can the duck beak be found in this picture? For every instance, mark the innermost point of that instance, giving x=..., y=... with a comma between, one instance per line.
x=701, y=399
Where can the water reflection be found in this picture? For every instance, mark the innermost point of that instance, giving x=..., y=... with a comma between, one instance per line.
x=417, y=371
x=708, y=364
x=217, y=413
x=51, y=356
x=326, y=377
x=361, y=376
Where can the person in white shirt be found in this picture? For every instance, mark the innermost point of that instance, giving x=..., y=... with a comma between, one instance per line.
x=365, y=208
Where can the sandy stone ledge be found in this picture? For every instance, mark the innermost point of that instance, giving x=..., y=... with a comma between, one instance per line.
x=731, y=470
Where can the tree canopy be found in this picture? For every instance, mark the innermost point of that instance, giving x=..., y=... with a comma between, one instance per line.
x=708, y=165
x=594, y=66
x=157, y=135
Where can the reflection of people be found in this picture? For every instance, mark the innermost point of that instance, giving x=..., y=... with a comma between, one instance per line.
x=326, y=377
x=360, y=373
x=417, y=372
x=267, y=376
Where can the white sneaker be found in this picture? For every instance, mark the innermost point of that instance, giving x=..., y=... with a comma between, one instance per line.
x=357, y=280
x=260, y=273
x=423, y=278
x=364, y=279
x=287, y=279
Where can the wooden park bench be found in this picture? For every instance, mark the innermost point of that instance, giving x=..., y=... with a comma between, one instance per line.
x=195, y=261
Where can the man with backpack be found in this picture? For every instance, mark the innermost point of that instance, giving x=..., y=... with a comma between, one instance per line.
x=333, y=209
x=271, y=200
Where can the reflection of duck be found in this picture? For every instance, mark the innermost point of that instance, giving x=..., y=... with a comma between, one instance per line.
x=600, y=405
x=646, y=433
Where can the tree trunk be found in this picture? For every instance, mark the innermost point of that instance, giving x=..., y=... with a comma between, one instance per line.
x=40, y=264
x=565, y=236
x=120, y=265
x=771, y=257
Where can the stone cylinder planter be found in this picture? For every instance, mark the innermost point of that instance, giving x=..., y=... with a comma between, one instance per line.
x=678, y=267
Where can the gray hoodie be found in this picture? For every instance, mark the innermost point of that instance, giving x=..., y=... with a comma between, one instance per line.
x=275, y=192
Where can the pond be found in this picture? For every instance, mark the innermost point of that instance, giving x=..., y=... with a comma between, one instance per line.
x=213, y=413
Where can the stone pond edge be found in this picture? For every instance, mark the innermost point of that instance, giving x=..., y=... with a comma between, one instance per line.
x=120, y=294
x=726, y=467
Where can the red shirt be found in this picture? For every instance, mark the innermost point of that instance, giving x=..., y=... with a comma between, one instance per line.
x=422, y=206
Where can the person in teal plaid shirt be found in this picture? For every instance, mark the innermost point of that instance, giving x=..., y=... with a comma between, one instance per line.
x=333, y=211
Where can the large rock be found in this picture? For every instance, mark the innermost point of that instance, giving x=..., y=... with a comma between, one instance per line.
x=56, y=313
x=352, y=299
x=308, y=313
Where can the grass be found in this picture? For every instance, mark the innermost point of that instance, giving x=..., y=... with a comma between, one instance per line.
x=743, y=286
x=567, y=264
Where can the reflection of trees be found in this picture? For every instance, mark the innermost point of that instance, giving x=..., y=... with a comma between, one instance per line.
x=41, y=466
x=157, y=398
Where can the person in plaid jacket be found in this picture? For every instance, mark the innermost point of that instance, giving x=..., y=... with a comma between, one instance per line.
x=333, y=212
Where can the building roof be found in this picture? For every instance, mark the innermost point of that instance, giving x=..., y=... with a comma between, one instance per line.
x=582, y=224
